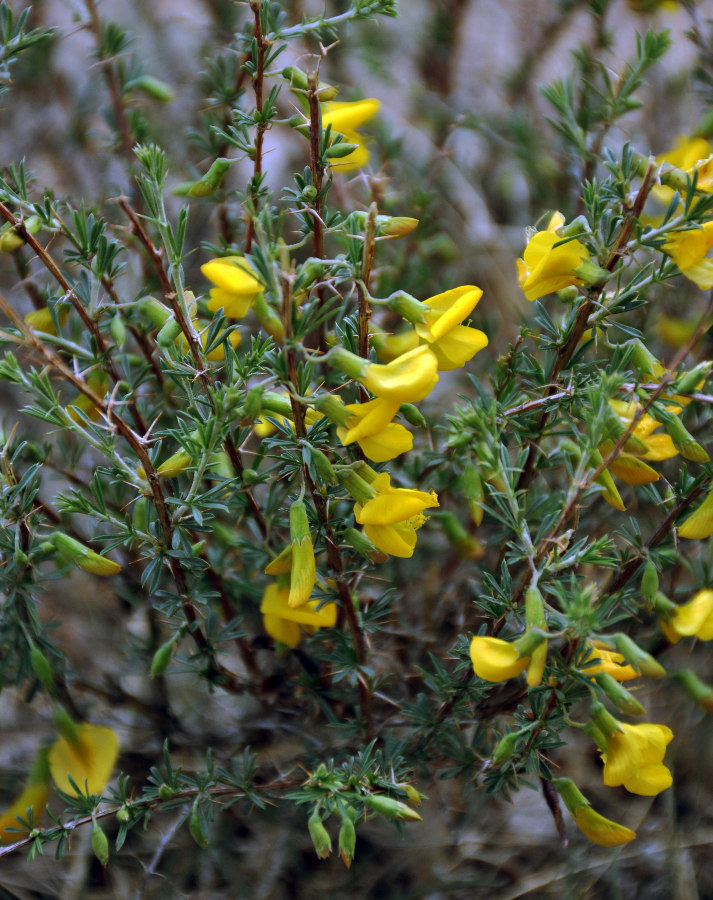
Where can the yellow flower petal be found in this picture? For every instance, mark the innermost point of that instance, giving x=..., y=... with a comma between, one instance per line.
x=495, y=660
x=407, y=379
x=600, y=830
x=90, y=761
x=700, y=523
x=545, y=268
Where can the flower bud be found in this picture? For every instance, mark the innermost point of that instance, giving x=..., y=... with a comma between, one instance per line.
x=649, y=581
x=693, y=380
x=168, y=333
x=153, y=87
x=346, y=842
x=637, y=658
x=319, y=834
x=700, y=523
x=322, y=465
x=683, y=441
x=162, y=657
x=413, y=415
x=123, y=815
x=154, y=311
x=41, y=667
x=340, y=150
x=165, y=792
x=396, y=226
x=118, y=331
x=700, y=692
x=505, y=749
x=392, y=809
x=643, y=359
x=474, y=492
x=592, y=824
x=618, y=694
x=268, y=318
x=11, y=239
x=196, y=826
x=100, y=843
x=361, y=543
x=212, y=180
x=84, y=557
x=467, y=546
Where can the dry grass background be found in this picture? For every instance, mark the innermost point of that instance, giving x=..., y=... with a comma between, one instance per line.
x=449, y=74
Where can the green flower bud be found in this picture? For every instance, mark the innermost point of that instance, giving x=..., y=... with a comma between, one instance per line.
x=153, y=87
x=649, y=581
x=118, y=331
x=11, y=239
x=396, y=226
x=700, y=692
x=196, y=826
x=361, y=543
x=123, y=815
x=84, y=557
x=340, y=150
x=41, y=666
x=682, y=440
x=319, y=834
x=162, y=657
x=636, y=657
x=692, y=381
x=212, y=179
x=623, y=700
x=268, y=318
x=346, y=843
x=168, y=333
x=165, y=792
x=154, y=310
x=324, y=468
x=474, y=492
x=643, y=359
x=100, y=843
x=505, y=749
x=392, y=809
x=413, y=415
x=20, y=558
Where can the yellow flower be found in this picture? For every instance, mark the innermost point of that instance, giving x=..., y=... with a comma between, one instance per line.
x=692, y=619
x=700, y=523
x=690, y=155
x=689, y=250
x=282, y=622
x=370, y=425
x=88, y=755
x=345, y=117
x=594, y=826
x=453, y=343
x=390, y=346
x=236, y=285
x=634, y=758
x=608, y=661
x=659, y=446
x=496, y=660
x=392, y=517
x=546, y=268
x=297, y=558
x=407, y=379
x=41, y=319
x=34, y=795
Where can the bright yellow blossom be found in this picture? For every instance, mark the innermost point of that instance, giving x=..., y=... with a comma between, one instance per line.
x=34, y=795
x=392, y=517
x=282, y=622
x=370, y=425
x=453, y=343
x=345, y=117
x=692, y=619
x=496, y=660
x=594, y=826
x=700, y=523
x=236, y=285
x=689, y=250
x=634, y=758
x=297, y=558
x=407, y=379
x=598, y=659
x=88, y=756
x=546, y=268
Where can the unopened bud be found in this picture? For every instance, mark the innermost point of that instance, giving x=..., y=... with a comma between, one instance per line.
x=623, y=700
x=683, y=441
x=154, y=88
x=41, y=666
x=165, y=792
x=346, y=843
x=649, y=581
x=100, y=843
x=196, y=826
x=168, y=333
x=84, y=557
x=505, y=749
x=154, y=311
x=162, y=657
x=396, y=226
x=11, y=239
x=340, y=150
x=700, y=692
x=474, y=492
x=694, y=379
x=639, y=659
x=392, y=809
x=319, y=834
x=118, y=331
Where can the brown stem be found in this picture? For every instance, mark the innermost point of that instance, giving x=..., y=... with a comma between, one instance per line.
x=71, y=294
x=259, y=85
x=195, y=347
x=227, y=679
